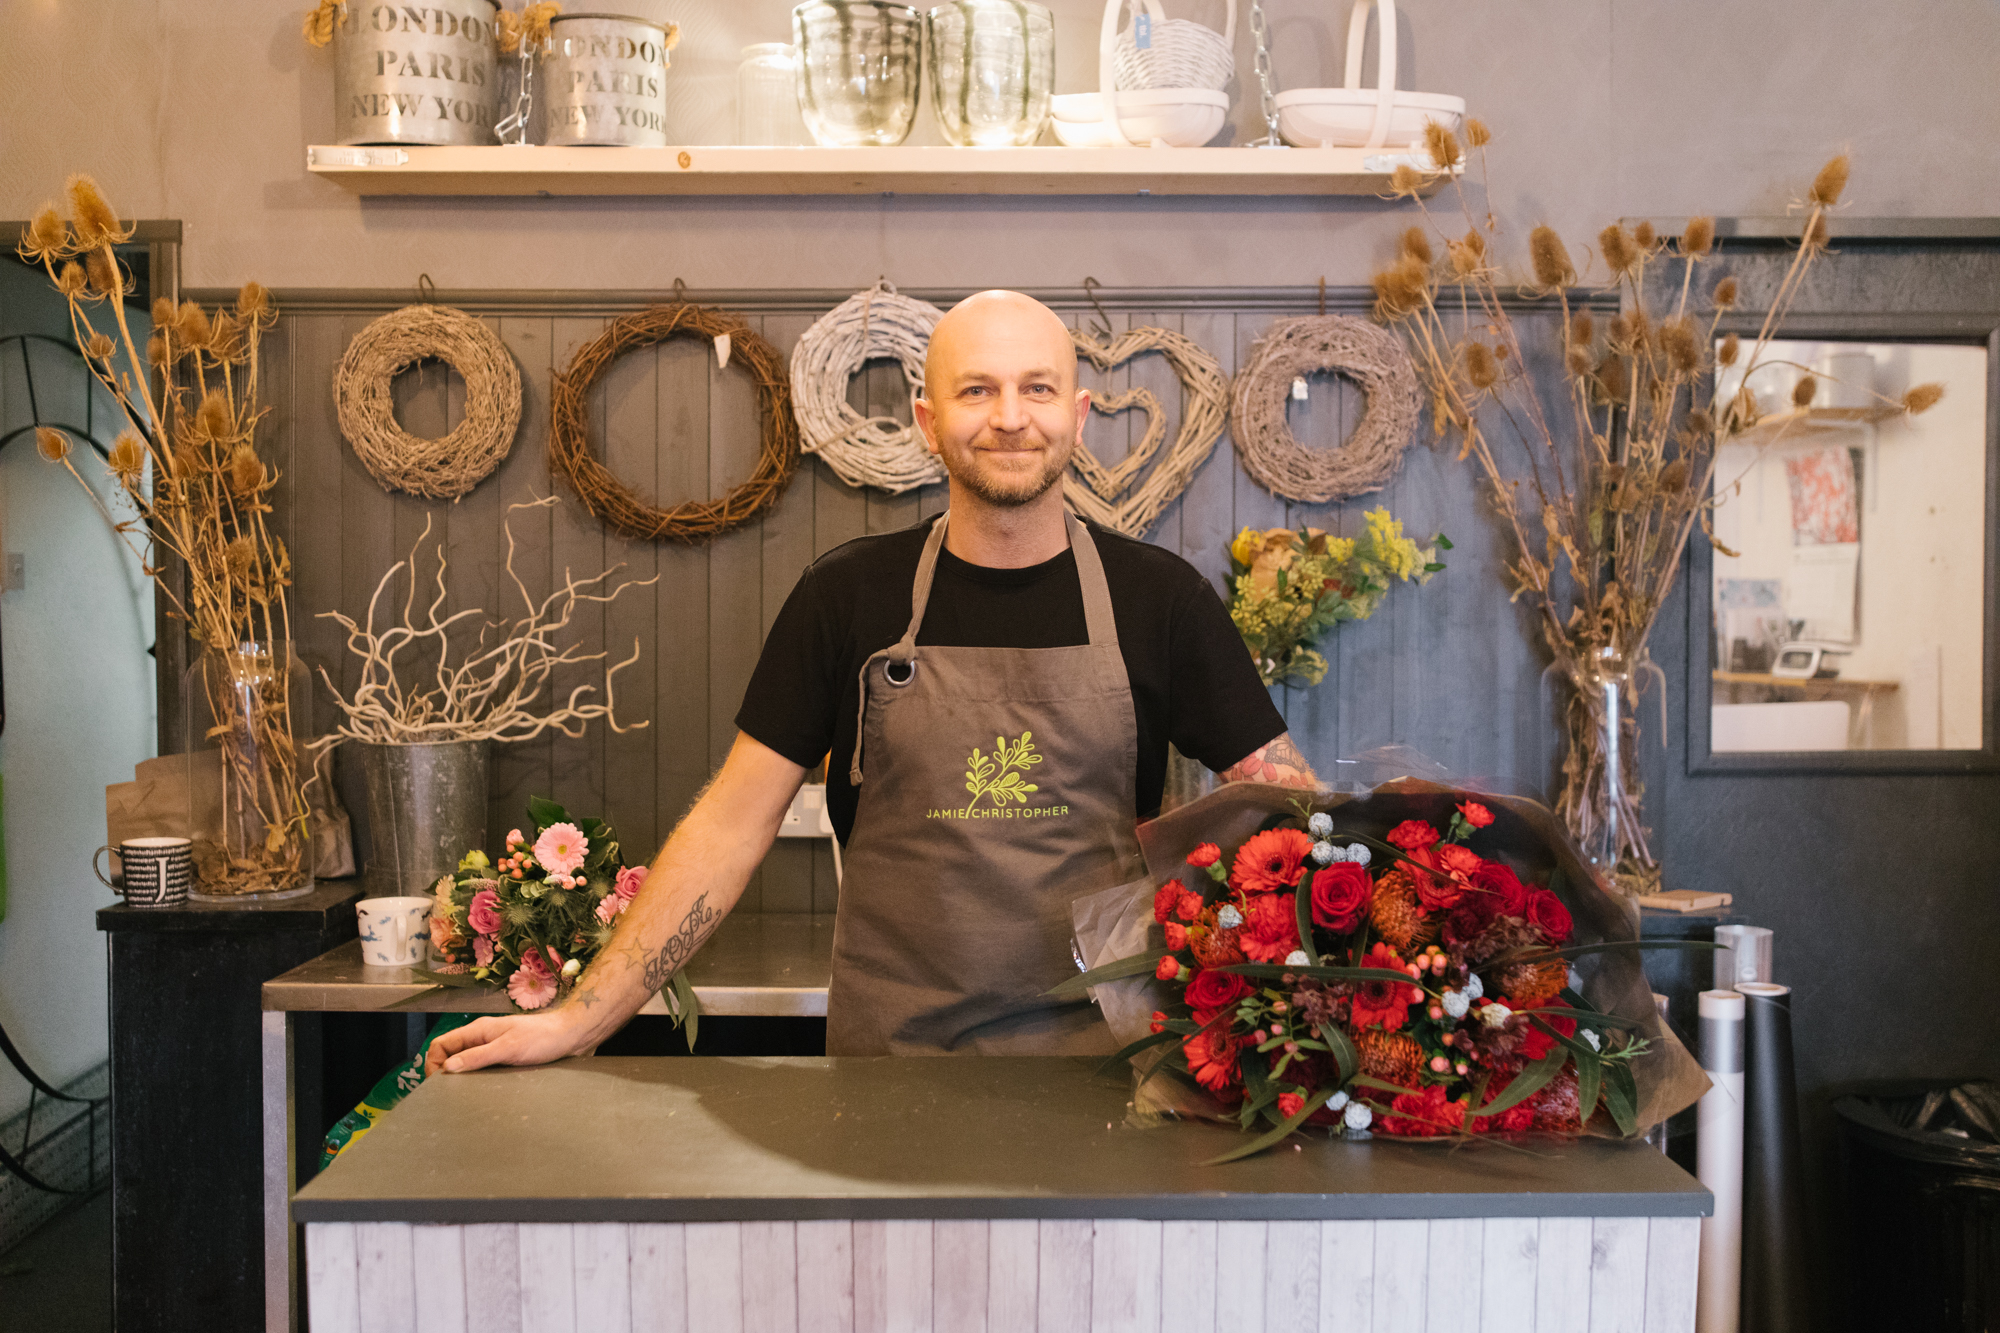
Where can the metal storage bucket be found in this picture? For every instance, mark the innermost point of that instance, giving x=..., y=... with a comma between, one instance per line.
x=426, y=809
x=605, y=83
x=415, y=74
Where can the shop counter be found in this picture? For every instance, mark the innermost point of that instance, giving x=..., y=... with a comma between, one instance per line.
x=950, y=1194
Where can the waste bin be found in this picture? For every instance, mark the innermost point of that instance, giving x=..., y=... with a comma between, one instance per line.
x=1923, y=1215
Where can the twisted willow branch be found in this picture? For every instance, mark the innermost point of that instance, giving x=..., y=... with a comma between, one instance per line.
x=692, y=521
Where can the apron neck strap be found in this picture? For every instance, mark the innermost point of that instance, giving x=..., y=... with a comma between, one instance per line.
x=1101, y=625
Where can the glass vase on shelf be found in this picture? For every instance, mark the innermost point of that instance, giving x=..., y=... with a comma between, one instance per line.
x=767, y=97
x=1601, y=791
x=993, y=71
x=247, y=707
x=860, y=62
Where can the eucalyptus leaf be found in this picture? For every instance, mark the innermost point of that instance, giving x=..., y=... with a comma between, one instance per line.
x=1077, y=987
x=690, y=1007
x=1276, y=1136
x=1621, y=1097
x=1526, y=1083
x=1345, y=1057
x=1277, y=971
x=1145, y=1043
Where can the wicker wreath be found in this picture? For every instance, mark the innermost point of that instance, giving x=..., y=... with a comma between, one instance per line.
x=1373, y=357
x=695, y=520
x=1098, y=492
x=441, y=469
x=880, y=452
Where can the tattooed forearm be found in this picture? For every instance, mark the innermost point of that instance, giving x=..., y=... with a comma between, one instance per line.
x=1279, y=762
x=658, y=968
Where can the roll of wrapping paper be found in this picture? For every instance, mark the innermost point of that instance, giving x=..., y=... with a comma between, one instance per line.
x=1777, y=1298
x=1718, y=1156
x=1745, y=955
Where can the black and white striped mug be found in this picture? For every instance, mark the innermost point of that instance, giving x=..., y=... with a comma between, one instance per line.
x=158, y=871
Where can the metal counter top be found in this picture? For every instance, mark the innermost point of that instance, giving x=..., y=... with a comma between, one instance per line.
x=632, y=1139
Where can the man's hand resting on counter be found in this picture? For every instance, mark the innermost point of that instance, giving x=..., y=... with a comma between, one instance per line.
x=694, y=881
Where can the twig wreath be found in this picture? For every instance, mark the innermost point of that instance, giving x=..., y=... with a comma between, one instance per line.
x=694, y=520
x=1375, y=358
x=1093, y=489
x=878, y=452
x=440, y=469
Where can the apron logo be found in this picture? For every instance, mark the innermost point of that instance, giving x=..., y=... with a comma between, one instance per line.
x=998, y=783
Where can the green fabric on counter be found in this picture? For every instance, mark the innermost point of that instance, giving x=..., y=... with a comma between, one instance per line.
x=393, y=1086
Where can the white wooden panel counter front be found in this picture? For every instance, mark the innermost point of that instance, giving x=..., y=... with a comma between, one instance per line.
x=714, y=1195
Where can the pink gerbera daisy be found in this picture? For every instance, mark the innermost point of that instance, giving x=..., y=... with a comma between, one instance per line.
x=560, y=849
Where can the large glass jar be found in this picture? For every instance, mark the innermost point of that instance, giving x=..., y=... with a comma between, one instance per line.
x=767, y=97
x=993, y=70
x=248, y=708
x=860, y=62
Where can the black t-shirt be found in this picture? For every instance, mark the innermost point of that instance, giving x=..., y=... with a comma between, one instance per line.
x=1192, y=679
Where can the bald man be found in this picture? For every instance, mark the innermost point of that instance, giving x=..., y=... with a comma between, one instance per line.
x=994, y=691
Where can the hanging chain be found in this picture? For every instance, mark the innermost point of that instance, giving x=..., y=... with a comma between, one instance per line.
x=1268, y=94
x=524, y=101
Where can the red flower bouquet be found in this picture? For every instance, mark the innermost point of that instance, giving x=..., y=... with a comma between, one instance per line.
x=1403, y=964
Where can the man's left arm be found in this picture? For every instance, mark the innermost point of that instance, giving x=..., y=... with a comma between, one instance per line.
x=1276, y=761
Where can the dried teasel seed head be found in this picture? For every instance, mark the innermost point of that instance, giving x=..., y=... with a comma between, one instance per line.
x=1416, y=245
x=1620, y=333
x=128, y=457
x=225, y=338
x=96, y=221
x=1581, y=328
x=1500, y=351
x=1476, y=132
x=1700, y=425
x=246, y=470
x=1614, y=378
x=1816, y=235
x=1674, y=477
x=1725, y=294
x=1683, y=350
x=1578, y=360
x=213, y=419
x=163, y=312
x=1550, y=258
x=1804, y=391
x=1922, y=398
x=106, y=279
x=191, y=324
x=70, y=279
x=1481, y=369
x=1699, y=237
x=1645, y=236
x=158, y=352
x=253, y=300
x=1442, y=145
x=46, y=235
x=51, y=443
x=1402, y=288
x=1725, y=355
x=1405, y=179
x=1621, y=252
x=240, y=555
x=99, y=347
x=1831, y=181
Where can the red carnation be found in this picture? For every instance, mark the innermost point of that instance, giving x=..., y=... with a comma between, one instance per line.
x=1204, y=856
x=1457, y=860
x=1211, y=989
x=1381, y=1001
x=1428, y=1114
x=1289, y=1103
x=1270, y=861
x=1159, y=1023
x=1513, y=1120
x=1547, y=914
x=1475, y=814
x=1211, y=1057
x=1503, y=891
x=1340, y=895
x=1164, y=899
x=1176, y=936
x=1189, y=907
x=1413, y=835
x=1270, y=928
x=1168, y=969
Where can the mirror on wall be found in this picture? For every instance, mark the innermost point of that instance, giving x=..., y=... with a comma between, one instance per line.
x=1848, y=579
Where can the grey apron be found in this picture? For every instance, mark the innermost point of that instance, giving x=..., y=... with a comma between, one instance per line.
x=999, y=787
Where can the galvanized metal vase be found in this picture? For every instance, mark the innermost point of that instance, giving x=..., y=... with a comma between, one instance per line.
x=409, y=75
x=426, y=809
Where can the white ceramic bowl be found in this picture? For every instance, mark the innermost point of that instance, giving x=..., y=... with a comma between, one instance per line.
x=1177, y=117
x=1342, y=117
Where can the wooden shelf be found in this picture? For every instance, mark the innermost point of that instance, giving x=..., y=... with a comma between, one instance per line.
x=1823, y=685
x=547, y=172
x=1803, y=421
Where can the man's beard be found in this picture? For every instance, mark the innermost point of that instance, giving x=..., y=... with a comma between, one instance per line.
x=1014, y=490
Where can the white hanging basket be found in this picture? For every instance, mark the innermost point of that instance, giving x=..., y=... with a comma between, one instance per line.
x=1177, y=53
x=1168, y=92
x=1351, y=116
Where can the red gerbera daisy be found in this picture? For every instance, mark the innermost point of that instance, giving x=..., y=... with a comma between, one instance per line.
x=1270, y=861
x=1211, y=1057
x=1382, y=1001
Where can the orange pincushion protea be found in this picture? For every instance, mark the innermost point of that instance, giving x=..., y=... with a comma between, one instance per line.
x=1396, y=913
x=1533, y=983
x=1213, y=947
x=1389, y=1056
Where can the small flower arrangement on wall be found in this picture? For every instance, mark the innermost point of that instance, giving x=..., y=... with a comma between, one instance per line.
x=1287, y=588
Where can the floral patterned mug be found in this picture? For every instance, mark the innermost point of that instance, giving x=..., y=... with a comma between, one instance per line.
x=394, y=931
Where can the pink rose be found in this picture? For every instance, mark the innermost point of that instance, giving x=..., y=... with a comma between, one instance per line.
x=629, y=881
x=560, y=849
x=484, y=913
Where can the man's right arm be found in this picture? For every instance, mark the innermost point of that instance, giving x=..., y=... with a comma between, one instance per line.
x=694, y=881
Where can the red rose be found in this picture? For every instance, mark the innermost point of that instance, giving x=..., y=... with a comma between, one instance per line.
x=1270, y=861
x=1289, y=1103
x=1423, y=1115
x=1176, y=936
x=1547, y=914
x=1211, y=1057
x=1459, y=860
x=1503, y=892
x=1189, y=907
x=1270, y=928
x=1204, y=856
x=1340, y=895
x=1412, y=834
x=1211, y=989
x=1475, y=814
x=1168, y=969
x=1380, y=1001
x=1164, y=899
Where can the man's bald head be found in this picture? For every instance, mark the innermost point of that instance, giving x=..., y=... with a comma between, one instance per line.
x=985, y=319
